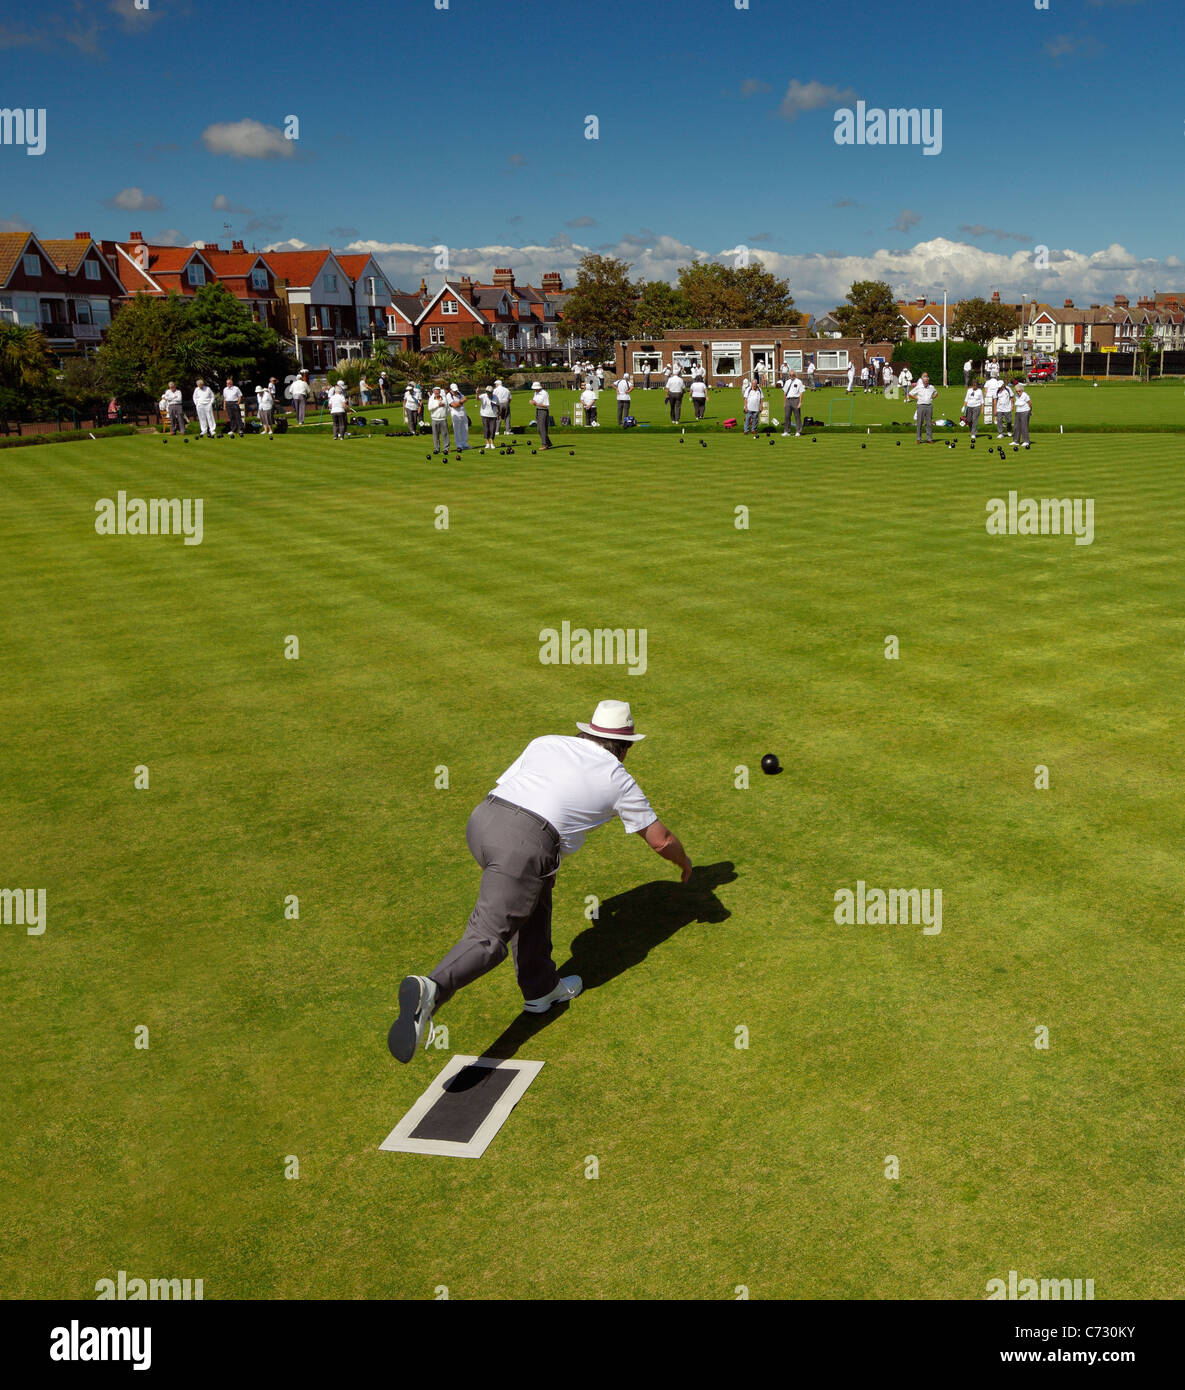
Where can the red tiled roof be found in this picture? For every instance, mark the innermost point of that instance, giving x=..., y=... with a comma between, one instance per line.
x=297, y=267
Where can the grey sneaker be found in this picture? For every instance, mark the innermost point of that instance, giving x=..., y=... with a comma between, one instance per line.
x=568, y=988
x=417, y=999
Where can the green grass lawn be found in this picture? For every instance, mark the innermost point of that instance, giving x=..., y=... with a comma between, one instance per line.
x=419, y=647
x=1129, y=406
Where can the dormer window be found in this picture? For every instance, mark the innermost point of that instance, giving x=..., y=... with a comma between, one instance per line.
x=195, y=273
x=448, y=306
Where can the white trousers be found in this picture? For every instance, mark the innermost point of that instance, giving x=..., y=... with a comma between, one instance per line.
x=206, y=424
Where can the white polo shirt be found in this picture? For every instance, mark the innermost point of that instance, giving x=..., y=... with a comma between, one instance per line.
x=754, y=398
x=231, y=394
x=675, y=384
x=792, y=390
x=542, y=400
x=973, y=400
x=337, y=402
x=265, y=399
x=502, y=394
x=623, y=389
x=699, y=389
x=588, y=398
x=299, y=387
x=924, y=395
x=576, y=786
x=1024, y=403
x=1003, y=400
x=489, y=406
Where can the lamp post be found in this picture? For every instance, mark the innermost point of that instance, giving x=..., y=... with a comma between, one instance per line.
x=370, y=287
x=945, y=382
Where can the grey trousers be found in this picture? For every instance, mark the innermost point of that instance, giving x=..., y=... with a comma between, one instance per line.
x=973, y=419
x=793, y=412
x=623, y=409
x=460, y=430
x=1022, y=426
x=176, y=419
x=1003, y=424
x=234, y=418
x=519, y=854
x=544, y=440
x=676, y=400
x=412, y=419
x=926, y=419
x=439, y=435
x=300, y=402
x=339, y=424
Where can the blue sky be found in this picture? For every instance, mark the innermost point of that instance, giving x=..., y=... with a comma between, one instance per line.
x=465, y=127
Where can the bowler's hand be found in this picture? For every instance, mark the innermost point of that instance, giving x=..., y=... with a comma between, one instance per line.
x=686, y=870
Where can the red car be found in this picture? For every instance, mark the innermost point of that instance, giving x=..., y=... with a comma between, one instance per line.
x=1043, y=371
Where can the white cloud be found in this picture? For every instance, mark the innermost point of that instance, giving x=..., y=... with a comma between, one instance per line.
x=810, y=96
x=818, y=280
x=135, y=200
x=907, y=219
x=248, y=139
x=15, y=224
x=223, y=204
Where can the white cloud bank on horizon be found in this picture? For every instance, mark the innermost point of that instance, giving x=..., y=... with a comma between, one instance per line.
x=818, y=280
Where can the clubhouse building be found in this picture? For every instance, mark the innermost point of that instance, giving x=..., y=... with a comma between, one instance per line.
x=727, y=355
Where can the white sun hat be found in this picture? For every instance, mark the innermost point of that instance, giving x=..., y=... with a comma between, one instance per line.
x=536, y=386
x=611, y=719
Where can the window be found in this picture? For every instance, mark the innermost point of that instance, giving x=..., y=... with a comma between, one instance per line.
x=24, y=306
x=195, y=273
x=648, y=361
x=101, y=312
x=259, y=278
x=331, y=282
x=32, y=264
x=726, y=359
x=687, y=359
x=448, y=306
x=836, y=361
x=792, y=361
x=82, y=311
x=92, y=269
x=763, y=357
x=436, y=333
x=928, y=333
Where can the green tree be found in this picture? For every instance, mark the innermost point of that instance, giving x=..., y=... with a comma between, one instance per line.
x=479, y=348
x=978, y=321
x=24, y=356
x=223, y=340
x=722, y=296
x=871, y=313
x=601, y=306
x=26, y=391
x=142, y=351
x=659, y=306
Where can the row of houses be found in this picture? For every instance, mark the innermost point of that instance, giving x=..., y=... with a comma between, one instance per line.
x=1043, y=328
x=329, y=306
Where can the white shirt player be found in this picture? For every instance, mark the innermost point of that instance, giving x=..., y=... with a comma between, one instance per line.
x=575, y=785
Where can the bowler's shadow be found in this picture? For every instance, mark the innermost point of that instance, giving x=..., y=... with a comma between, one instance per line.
x=627, y=929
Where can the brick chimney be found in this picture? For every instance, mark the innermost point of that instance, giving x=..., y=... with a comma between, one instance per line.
x=504, y=276
x=995, y=296
x=466, y=282
x=423, y=288
x=82, y=236
x=1121, y=301
x=136, y=236
x=920, y=301
x=236, y=246
x=553, y=282
x=1069, y=304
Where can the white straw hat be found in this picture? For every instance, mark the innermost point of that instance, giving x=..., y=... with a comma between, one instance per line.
x=612, y=719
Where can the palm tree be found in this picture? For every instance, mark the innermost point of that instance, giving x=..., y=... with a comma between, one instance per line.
x=445, y=363
x=24, y=355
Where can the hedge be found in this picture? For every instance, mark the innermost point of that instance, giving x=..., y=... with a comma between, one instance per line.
x=24, y=441
x=927, y=357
